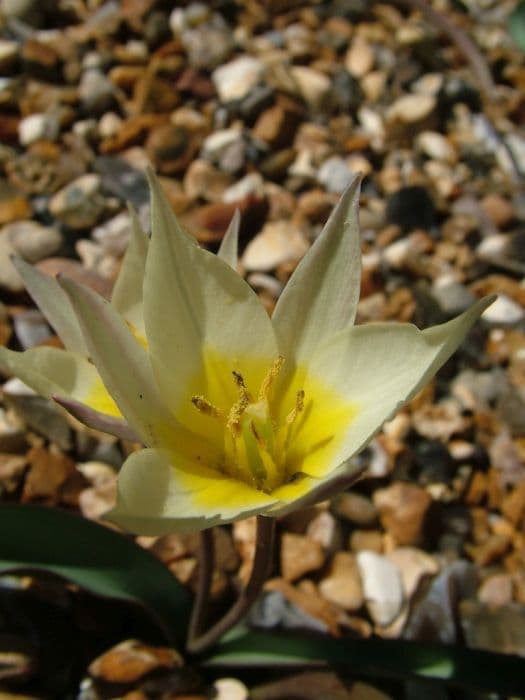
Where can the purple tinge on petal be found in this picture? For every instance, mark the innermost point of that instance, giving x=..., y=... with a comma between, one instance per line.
x=98, y=421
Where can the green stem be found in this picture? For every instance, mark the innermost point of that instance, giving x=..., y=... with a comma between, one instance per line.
x=260, y=571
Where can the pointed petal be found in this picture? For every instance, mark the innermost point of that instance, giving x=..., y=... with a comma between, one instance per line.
x=379, y=367
x=96, y=420
x=155, y=498
x=127, y=292
x=54, y=304
x=322, y=294
x=122, y=362
x=228, y=250
x=194, y=302
x=50, y=371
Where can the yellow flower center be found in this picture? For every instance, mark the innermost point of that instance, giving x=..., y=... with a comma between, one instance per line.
x=265, y=444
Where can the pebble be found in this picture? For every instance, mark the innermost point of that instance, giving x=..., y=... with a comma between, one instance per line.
x=29, y=240
x=496, y=590
x=31, y=328
x=356, y=508
x=96, y=92
x=234, y=80
x=360, y=57
x=453, y=297
x=414, y=565
x=279, y=242
x=299, y=555
x=402, y=510
x=410, y=109
x=314, y=86
x=36, y=127
x=326, y=530
x=80, y=204
x=342, y=586
x=131, y=660
x=335, y=174
x=435, y=145
x=499, y=210
x=382, y=587
x=504, y=311
x=230, y=689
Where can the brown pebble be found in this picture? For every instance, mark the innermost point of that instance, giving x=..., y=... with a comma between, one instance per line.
x=402, y=509
x=299, y=556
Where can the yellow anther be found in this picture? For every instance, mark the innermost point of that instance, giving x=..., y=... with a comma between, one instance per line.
x=206, y=407
x=296, y=410
x=271, y=374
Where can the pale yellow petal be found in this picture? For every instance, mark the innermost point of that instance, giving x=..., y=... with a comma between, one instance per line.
x=127, y=292
x=156, y=498
x=122, y=363
x=228, y=249
x=379, y=367
x=322, y=294
x=54, y=304
x=196, y=304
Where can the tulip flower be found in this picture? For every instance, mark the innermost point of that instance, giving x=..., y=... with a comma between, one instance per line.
x=240, y=413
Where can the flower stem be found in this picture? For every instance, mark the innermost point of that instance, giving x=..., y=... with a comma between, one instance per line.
x=260, y=570
x=206, y=564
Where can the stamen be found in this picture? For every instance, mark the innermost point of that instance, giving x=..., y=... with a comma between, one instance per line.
x=271, y=374
x=238, y=408
x=206, y=407
x=296, y=410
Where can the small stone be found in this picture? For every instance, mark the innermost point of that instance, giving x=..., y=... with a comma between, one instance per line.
x=452, y=297
x=209, y=45
x=80, y=204
x=489, y=551
x=366, y=541
x=414, y=564
x=402, y=509
x=436, y=146
x=410, y=109
x=230, y=689
x=279, y=242
x=37, y=127
x=335, y=174
x=234, y=80
x=96, y=92
x=299, y=556
x=499, y=210
x=31, y=328
x=496, y=590
x=314, y=86
x=382, y=587
x=325, y=530
x=504, y=311
x=440, y=420
x=49, y=469
x=171, y=148
x=13, y=203
x=12, y=469
x=203, y=180
x=343, y=584
x=95, y=501
x=360, y=57
x=276, y=126
x=29, y=240
x=130, y=661
x=356, y=508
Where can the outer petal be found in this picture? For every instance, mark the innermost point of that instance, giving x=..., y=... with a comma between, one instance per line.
x=379, y=367
x=127, y=292
x=50, y=371
x=322, y=294
x=122, y=362
x=230, y=242
x=193, y=300
x=54, y=304
x=156, y=498
x=99, y=421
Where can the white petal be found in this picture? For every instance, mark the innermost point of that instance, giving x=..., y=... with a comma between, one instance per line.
x=228, y=250
x=194, y=302
x=127, y=292
x=155, y=498
x=322, y=294
x=50, y=371
x=54, y=304
x=121, y=361
x=379, y=367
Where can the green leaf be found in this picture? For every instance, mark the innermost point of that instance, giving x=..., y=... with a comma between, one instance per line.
x=103, y=561
x=516, y=24
x=469, y=668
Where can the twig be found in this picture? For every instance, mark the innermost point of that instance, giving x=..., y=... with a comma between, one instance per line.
x=260, y=570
